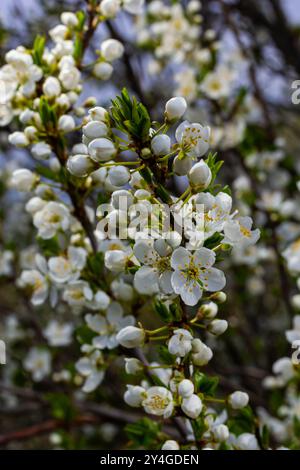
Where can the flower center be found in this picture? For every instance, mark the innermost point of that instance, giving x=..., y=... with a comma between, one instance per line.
x=157, y=402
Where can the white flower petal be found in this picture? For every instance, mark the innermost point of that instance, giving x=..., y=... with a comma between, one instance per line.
x=180, y=258
x=146, y=280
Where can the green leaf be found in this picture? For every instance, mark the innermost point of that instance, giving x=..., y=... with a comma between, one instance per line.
x=131, y=117
x=199, y=427
x=81, y=20
x=84, y=334
x=144, y=432
x=213, y=241
x=38, y=49
x=265, y=437
x=78, y=48
x=204, y=384
x=49, y=247
x=163, y=312
x=243, y=422
x=165, y=355
x=61, y=406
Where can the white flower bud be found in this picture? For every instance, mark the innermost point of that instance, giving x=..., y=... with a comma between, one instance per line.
x=30, y=132
x=123, y=198
x=296, y=301
x=192, y=406
x=41, y=151
x=202, y=354
x=134, y=395
x=218, y=327
x=186, y=388
x=131, y=337
x=58, y=33
x=182, y=166
x=18, y=139
x=111, y=49
x=54, y=164
x=133, y=365
x=170, y=445
x=115, y=260
x=79, y=165
x=98, y=113
x=23, y=179
x=247, y=441
x=101, y=150
x=51, y=87
x=219, y=297
x=200, y=175
x=35, y=204
x=69, y=19
x=109, y=8
x=209, y=310
x=94, y=129
x=70, y=77
x=221, y=433
x=118, y=175
x=175, y=108
x=66, y=123
x=73, y=97
x=80, y=149
x=63, y=101
x=103, y=70
x=238, y=400
x=26, y=116
x=161, y=144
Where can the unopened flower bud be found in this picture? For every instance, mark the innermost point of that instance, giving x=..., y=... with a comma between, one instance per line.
x=80, y=165
x=186, y=388
x=161, y=144
x=111, y=49
x=131, y=337
x=134, y=395
x=175, y=108
x=103, y=70
x=101, y=150
x=133, y=365
x=23, y=179
x=200, y=175
x=218, y=327
x=119, y=175
x=221, y=433
x=238, y=400
x=66, y=123
x=170, y=445
x=219, y=297
x=192, y=406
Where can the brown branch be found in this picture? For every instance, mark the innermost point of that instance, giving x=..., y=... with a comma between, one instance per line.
x=45, y=427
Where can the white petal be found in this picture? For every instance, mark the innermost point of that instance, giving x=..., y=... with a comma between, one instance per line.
x=180, y=258
x=100, y=342
x=165, y=282
x=191, y=294
x=93, y=381
x=204, y=257
x=84, y=366
x=114, y=312
x=144, y=251
x=178, y=281
x=146, y=281
x=213, y=279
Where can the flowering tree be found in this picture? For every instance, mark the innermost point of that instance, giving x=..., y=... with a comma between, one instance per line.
x=135, y=217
